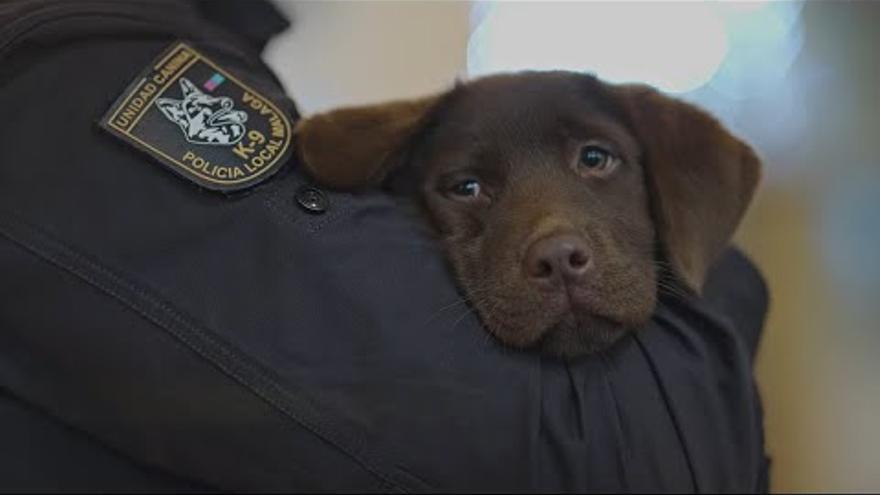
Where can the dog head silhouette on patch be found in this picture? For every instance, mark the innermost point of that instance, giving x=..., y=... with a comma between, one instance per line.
x=204, y=119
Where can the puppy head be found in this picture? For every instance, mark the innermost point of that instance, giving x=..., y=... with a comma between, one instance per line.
x=563, y=202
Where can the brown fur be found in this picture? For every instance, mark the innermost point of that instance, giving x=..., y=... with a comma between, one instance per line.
x=678, y=193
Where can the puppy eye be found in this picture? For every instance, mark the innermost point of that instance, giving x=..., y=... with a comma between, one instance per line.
x=466, y=190
x=596, y=160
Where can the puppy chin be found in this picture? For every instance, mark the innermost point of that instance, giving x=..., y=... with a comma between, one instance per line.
x=559, y=332
x=581, y=335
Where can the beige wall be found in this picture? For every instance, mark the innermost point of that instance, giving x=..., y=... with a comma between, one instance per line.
x=815, y=231
x=356, y=52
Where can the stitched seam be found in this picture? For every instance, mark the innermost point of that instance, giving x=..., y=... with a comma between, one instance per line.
x=265, y=386
x=47, y=15
x=201, y=350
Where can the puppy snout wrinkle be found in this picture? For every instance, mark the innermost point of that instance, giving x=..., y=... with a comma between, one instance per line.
x=557, y=260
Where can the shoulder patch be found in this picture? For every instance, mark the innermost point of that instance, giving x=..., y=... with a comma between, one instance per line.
x=201, y=122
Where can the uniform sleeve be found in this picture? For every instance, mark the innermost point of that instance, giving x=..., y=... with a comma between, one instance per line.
x=737, y=290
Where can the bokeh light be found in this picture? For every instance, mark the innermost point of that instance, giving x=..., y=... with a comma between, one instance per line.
x=678, y=47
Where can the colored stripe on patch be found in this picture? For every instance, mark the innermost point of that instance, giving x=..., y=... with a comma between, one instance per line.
x=216, y=80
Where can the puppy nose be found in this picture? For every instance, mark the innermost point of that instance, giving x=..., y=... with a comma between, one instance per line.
x=557, y=258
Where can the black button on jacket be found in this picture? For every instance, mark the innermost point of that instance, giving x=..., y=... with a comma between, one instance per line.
x=158, y=336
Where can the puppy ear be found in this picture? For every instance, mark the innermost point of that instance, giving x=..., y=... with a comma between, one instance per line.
x=355, y=147
x=171, y=109
x=187, y=87
x=701, y=178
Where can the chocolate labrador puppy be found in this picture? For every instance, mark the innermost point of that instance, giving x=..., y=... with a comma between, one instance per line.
x=564, y=203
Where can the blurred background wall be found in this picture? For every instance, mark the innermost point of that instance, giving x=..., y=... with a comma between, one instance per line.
x=800, y=81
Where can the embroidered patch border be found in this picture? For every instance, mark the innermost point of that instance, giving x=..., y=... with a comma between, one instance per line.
x=201, y=122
